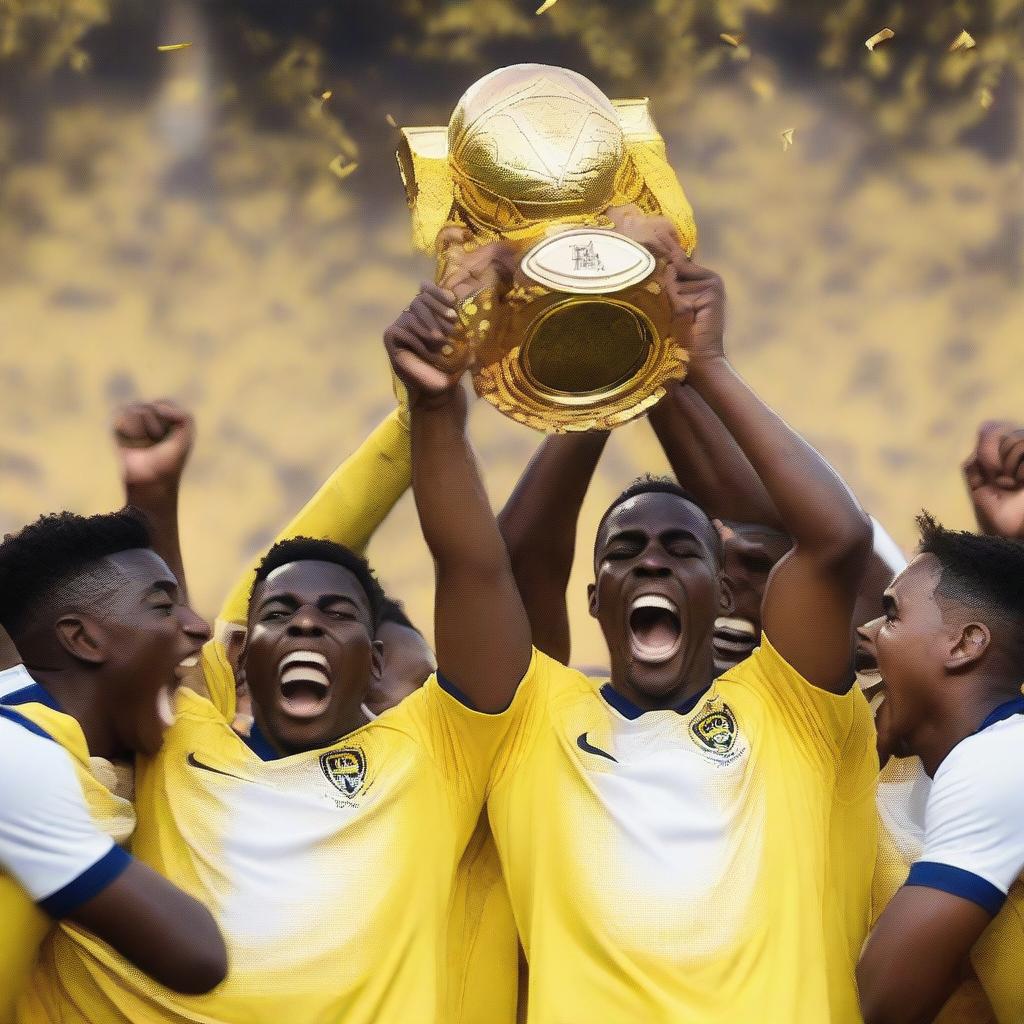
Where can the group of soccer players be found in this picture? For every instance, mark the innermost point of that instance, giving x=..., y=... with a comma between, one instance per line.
x=311, y=814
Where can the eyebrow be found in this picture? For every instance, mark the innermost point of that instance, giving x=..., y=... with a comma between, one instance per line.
x=889, y=605
x=168, y=587
x=321, y=601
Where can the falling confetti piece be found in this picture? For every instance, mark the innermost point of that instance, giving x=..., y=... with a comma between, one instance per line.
x=338, y=167
x=879, y=37
x=764, y=88
x=391, y=121
x=964, y=41
x=325, y=96
x=985, y=97
x=787, y=138
x=167, y=48
x=547, y=5
x=731, y=40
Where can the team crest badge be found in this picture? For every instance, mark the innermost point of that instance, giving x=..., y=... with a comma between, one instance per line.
x=715, y=730
x=345, y=769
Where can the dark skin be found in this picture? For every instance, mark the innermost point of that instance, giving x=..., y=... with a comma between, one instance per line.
x=106, y=662
x=483, y=640
x=994, y=473
x=943, y=670
x=319, y=608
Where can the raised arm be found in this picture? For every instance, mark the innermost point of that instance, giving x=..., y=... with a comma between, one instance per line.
x=482, y=636
x=349, y=507
x=538, y=524
x=810, y=598
x=154, y=440
x=994, y=473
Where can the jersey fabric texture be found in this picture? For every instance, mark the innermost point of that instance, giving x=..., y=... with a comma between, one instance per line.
x=701, y=864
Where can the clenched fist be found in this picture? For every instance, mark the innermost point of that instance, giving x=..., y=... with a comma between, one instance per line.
x=994, y=473
x=153, y=440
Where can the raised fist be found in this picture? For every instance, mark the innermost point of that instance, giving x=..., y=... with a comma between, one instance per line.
x=994, y=473
x=697, y=298
x=153, y=440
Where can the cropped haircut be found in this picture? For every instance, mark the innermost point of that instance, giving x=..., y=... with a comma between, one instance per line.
x=980, y=572
x=306, y=549
x=58, y=561
x=650, y=484
x=394, y=612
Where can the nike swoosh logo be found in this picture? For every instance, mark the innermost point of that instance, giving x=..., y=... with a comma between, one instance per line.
x=581, y=742
x=192, y=760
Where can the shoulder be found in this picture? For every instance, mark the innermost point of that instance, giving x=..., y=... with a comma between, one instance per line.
x=34, y=768
x=983, y=770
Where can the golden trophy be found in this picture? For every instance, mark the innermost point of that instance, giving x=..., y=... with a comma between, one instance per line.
x=538, y=159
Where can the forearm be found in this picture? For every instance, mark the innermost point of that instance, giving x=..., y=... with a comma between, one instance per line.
x=814, y=504
x=349, y=507
x=160, y=507
x=707, y=461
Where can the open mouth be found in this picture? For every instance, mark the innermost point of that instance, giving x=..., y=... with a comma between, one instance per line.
x=305, y=684
x=865, y=664
x=655, y=629
x=733, y=639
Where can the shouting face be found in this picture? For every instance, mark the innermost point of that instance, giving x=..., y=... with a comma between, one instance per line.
x=310, y=655
x=657, y=591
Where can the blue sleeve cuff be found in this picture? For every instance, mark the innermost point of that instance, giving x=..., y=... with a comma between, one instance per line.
x=88, y=884
x=957, y=882
x=453, y=691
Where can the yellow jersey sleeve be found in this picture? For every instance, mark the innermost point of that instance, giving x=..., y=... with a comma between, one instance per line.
x=217, y=682
x=836, y=732
x=350, y=506
x=462, y=742
x=21, y=934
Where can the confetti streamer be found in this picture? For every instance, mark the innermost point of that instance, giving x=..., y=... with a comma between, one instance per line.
x=964, y=41
x=546, y=6
x=391, y=121
x=325, y=96
x=985, y=97
x=879, y=37
x=787, y=138
x=339, y=168
x=731, y=40
x=169, y=47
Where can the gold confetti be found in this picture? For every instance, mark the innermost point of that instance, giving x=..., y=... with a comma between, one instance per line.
x=787, y=138
x=964, y=41
x=325, y=96
x=168, y=47
x=879, y=37
x=985, y=97
x=763, y=88
x=546, y=6
x=731, y=40
x=391, y=121
x=338, y=167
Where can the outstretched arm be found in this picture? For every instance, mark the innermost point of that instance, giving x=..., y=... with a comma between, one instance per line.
x=538, y=524
x=154, y=440
x=818, y=580
x=482, y=636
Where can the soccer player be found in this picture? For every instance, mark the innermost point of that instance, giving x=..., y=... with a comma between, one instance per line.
x=950, y=651
x=327, y=842
x=681, y=847
x=96, y=616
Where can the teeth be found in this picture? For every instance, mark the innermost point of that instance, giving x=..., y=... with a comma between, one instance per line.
x=655, y=601
x=165, y=707
x=189, y=662
x=303, y=657
x=736, y=625
x=305, y=674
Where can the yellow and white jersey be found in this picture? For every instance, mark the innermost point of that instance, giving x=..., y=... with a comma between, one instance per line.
x=330, y=872
x=702, y=864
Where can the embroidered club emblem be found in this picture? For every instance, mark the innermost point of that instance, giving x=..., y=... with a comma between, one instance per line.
x=345, y=769
x=715, y=730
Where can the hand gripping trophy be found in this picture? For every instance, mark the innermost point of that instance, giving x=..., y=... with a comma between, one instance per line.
x=570, y=196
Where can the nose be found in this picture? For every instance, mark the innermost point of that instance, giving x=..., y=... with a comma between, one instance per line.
x=869, y=630
x=305, y=622
x=651, y=566
x=195, y=626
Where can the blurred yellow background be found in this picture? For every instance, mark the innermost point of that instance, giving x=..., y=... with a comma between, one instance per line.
x=169, y=226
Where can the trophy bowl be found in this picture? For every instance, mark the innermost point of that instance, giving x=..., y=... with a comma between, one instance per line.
x=535, y=157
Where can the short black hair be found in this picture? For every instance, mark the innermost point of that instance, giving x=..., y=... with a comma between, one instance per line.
x=651, y=484
x=54, y=560
x=394, y=612
x=978, y=571
x=307, y=549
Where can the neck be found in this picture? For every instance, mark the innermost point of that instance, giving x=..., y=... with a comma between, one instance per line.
x=282, y=749
x=695, y=679
x=77, y=693
x=933, y=740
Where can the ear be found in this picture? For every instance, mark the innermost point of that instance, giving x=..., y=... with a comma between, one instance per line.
x=592, y=602
x=970, y=646
x=726, y=597
x=377, y=659
x=82, y=638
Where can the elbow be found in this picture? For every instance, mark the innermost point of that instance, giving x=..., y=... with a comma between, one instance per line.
x=882, y=1003
x=204, y=965
x=850, y=543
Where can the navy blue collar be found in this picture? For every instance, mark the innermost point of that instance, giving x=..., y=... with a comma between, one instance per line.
x=628, y=709
x=32, y=694
x=260, y=745
x=1014, y=706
